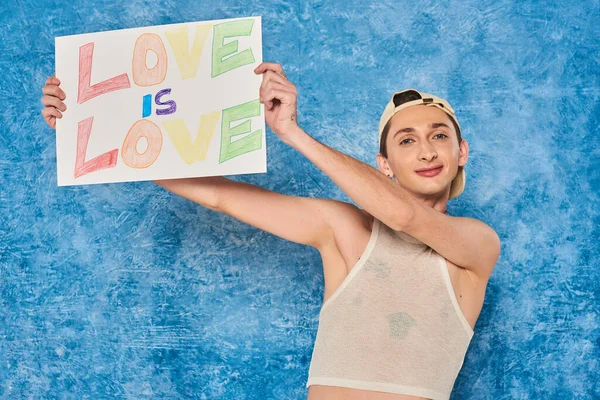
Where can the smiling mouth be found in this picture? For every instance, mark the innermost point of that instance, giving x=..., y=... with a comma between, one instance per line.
x=430, y=172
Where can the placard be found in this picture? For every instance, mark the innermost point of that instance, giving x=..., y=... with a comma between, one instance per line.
x=161, y=102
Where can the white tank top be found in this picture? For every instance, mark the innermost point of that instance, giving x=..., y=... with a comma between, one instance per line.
x=394, y=324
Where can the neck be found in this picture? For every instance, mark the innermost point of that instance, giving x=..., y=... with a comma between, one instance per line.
x=437, y=204
x=438, y=201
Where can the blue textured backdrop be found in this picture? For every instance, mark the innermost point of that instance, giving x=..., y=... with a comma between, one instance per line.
x=127, y=291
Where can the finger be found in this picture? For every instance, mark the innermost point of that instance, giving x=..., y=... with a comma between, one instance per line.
x=272, y=76
x=274, y=85
x=53, y=102
x=51, y=121
x=267, y=84
x=267, y=66
x=51, y=111
x=279, y=94
x=282, y=85
x=55, y=91
x=53, y=81
x=50, y=115
x=264, y=66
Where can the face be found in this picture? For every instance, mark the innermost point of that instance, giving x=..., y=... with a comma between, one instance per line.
x=423, y=137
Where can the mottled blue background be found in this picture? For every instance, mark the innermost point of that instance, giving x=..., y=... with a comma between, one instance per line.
x=127, y=291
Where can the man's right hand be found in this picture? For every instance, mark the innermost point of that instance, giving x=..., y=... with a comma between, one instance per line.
x=53, y=100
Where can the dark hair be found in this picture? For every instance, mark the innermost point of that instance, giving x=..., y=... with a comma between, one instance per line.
x=386, y=129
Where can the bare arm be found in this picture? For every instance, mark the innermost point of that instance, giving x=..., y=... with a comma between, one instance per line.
x=309, y=221
x=467, y=242
x=199, y=190
x=366, y=186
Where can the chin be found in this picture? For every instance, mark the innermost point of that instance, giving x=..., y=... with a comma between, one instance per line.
x=430, y=190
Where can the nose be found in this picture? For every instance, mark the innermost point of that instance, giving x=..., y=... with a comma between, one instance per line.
x=427, y=152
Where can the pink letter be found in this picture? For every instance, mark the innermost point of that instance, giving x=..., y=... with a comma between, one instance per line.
x=82, y=167
x=85, y=91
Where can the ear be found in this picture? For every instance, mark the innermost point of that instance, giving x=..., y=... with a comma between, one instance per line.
x=463, y=154
x=383, y=165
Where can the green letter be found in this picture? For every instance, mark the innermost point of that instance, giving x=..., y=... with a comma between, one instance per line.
x=244, y=145
x=222, y=50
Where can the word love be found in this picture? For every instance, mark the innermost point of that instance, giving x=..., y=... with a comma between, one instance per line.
x=144, y=141
x=189, y=151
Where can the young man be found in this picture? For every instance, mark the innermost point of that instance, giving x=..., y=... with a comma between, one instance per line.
x=404, y=281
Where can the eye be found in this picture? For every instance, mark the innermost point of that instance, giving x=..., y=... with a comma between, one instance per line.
x=403, y=142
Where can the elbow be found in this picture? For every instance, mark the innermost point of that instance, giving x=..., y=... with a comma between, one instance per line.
x=216, y=197
x=215, y=191
x=216, y=204
x=402, y=220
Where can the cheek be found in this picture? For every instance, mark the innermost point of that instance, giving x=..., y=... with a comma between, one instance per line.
x=450, y=150
x=455, y=151
x=399, y=167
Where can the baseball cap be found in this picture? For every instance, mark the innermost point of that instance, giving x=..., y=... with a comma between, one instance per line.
x=412, y=97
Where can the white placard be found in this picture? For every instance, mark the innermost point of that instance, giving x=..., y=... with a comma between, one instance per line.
x=161, y=102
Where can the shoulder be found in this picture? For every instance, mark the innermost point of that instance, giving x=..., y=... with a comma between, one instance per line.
x=349, y=225
x=346, y=215
x=488, y=242
x=467, y=242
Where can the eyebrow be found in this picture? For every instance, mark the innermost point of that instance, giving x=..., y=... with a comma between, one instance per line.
x=435, y=125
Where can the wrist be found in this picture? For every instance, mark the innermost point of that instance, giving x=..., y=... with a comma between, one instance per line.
x=295, y=137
